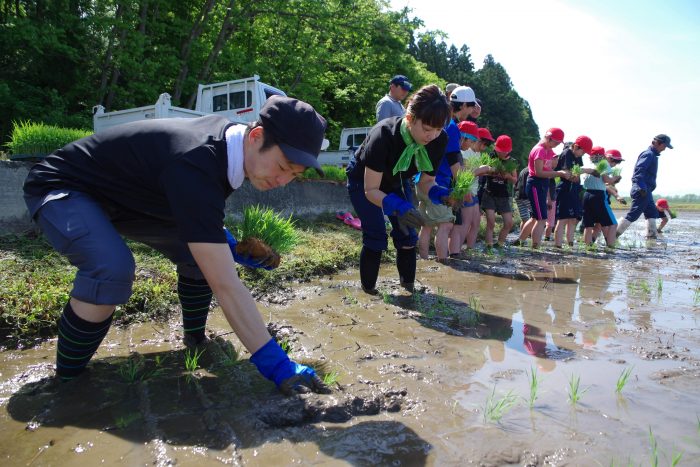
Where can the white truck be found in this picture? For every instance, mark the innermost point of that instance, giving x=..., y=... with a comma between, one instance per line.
x=238, y=100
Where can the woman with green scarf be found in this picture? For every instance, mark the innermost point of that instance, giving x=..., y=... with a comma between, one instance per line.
x=394, y=151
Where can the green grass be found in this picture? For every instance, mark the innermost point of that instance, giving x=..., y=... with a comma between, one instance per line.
x=131, y=370
x=267, y=225
x=37, y=138
x=331, y=172
x=622, y=379
x=534, y=380
x=192, y=357
x=286, y=346
x=574, y=390
x=495, y=408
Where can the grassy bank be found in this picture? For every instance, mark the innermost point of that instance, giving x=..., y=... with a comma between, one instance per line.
x=35, y=280
x=674, y=206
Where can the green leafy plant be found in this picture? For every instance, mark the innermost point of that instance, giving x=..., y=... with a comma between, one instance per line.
x=331, y=378
x=330, y=172
x=622, y=379
x=495, y=408
x=462, y=184
x=265, y=224
x=192, y=357
x=575, y=391
x=576, y=170
x=37, y=138
x=474, y=302
x=534, y=380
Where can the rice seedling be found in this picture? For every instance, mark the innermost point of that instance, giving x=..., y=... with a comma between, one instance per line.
x=602, y=167
x=474, y=302
x=616, y=171
x=331, y=378
x=659, y=285
x=192, y=359
x=462, y=184
x=574, y=390
x=495, y=408
x=123, y=421
x=534, y=380
x=576, y=170
x=265, y=224
x=386, y=297
x=230, y=354
x=654, y=459
x=622, y=379
x=349, y=298
x=644, y=286
x=131, y=370
x=286, y=345
x=39, y=139
x=676, y=458
x=696, y=295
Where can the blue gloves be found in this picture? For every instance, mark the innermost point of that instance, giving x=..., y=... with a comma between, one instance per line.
x=394, y=205
x=407, y=215
x=290, y=377
x=438, y=194
x=245, y=260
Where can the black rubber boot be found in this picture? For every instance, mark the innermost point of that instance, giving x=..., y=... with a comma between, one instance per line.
x=406, y=265
x=369, y=269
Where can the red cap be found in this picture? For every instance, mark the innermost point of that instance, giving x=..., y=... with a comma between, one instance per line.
x=504, y=144
x=585, y=143
x=661, y=203
x=484, y=133
x=597, y=151
x=555, y=134
x=469, y=128
x=614, y=154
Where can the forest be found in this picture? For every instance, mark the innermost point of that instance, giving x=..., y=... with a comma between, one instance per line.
x=59, y=58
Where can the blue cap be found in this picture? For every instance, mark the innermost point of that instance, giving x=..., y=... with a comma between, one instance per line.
x=401, y=80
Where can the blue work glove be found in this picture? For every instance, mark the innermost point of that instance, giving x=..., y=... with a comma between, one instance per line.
x=245, y=260
x=290, y=377
x=439, y=194
x=406, y=214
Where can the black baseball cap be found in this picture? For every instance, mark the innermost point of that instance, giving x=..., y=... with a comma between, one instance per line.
x=664, y=139
x=297, y=128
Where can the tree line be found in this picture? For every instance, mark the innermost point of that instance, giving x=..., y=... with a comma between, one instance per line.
x=59, y=58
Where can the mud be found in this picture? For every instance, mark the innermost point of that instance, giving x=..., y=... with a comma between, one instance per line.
x=414, y=371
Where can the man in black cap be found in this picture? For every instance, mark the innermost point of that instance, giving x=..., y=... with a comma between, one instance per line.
x=390, y=105
x=165, y=183
x=643, y=184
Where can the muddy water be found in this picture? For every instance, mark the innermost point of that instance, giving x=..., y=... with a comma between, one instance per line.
x=415, y=372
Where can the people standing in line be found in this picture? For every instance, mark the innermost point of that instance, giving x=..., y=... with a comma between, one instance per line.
x=164, y=183
x=540, y=163
x=396, y=149
x=462, y=101
x=467, y=231
x=390, y=105
x=596, y=208
x=643, y=185
x=497, y=194
x=664, y=213
x=568, y=192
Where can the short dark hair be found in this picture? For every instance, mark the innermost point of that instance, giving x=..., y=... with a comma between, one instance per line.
x=268, y=139
x=457, y=106
x=430, y=106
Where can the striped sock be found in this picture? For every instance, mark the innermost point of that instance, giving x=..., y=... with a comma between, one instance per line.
x=77, y=342
x=195, y=298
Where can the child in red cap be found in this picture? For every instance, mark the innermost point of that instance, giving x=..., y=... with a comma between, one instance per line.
x=664, y=213
x=497, y=193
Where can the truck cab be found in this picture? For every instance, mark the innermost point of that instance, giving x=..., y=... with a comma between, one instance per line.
x=239, y=100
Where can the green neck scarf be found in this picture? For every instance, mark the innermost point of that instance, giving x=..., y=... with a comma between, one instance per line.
x=423, y=163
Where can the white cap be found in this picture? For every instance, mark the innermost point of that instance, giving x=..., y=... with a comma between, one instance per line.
x=463, y=94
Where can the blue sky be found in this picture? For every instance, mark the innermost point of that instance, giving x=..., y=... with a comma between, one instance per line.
x=617, y=71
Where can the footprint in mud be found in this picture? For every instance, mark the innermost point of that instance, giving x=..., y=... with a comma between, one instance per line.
x=334, y=408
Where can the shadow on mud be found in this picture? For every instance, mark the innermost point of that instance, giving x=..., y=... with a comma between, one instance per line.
x=152, y=398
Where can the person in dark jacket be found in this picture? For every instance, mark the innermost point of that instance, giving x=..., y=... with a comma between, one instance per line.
x=164, y=183
x=643, y=185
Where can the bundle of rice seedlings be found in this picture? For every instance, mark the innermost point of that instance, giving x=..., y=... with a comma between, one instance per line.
x=615, y=171
x=462, y=184
x=509, y=165
x=264, y=233
x=37, y=138
x=576, y=170
x=673, y=213
x=602, y=166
